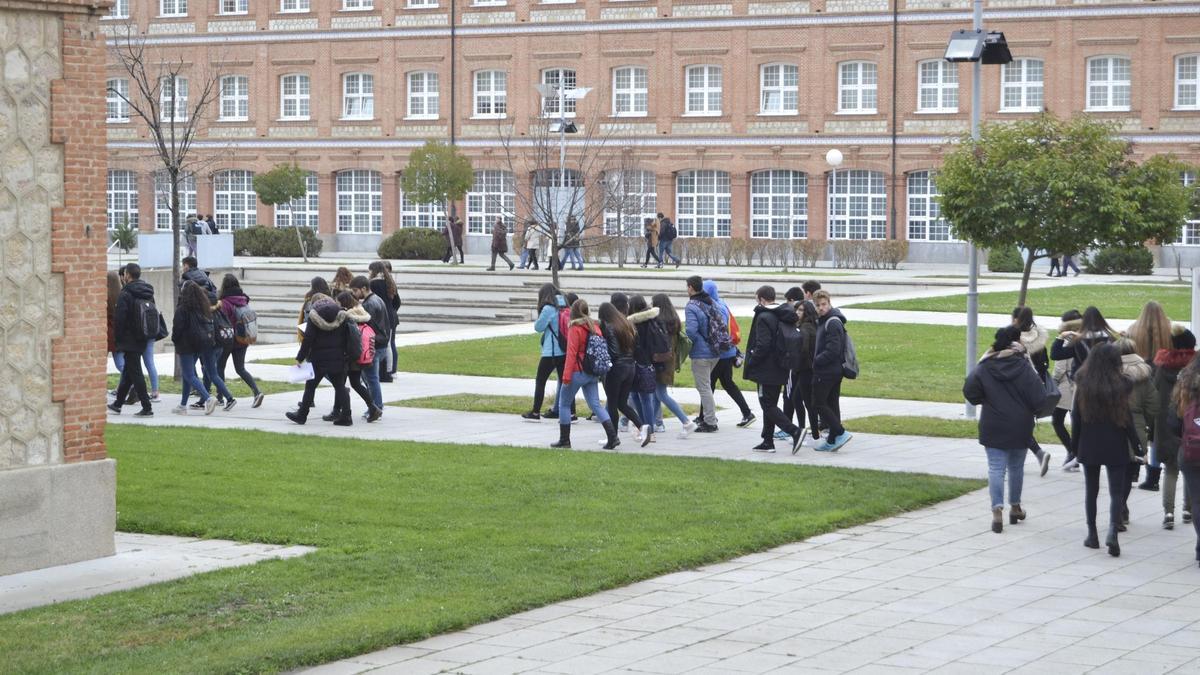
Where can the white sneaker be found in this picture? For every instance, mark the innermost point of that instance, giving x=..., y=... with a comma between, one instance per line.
x=1071, y=465
x=180, y=410
x=687, y=429
x=641, y=434
x=210, y=405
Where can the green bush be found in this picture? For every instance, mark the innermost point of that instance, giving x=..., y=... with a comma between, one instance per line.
x=277, y=242
x=1120, y=260
x=413, y=243
x=1007, y=259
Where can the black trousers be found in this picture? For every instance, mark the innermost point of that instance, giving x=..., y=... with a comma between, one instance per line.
x=1058, y=421
x=723, y=372
x=799, y=401
x=651, y=253
x=547, y=365
x=1054, y=267
x=239, y=365
x=1191, y=487
x=1116, y=492
x=531, y=263
x=768, y=400
x=827, y=394
x=618, y=383
x=131, y=376
x=354, y=379
x=337, y=378
x=502, y=255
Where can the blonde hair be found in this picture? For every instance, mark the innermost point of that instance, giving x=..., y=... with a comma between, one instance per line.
x=821, y=294
x=1151, y=332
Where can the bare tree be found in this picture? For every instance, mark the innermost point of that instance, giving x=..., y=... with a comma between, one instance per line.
x=171, y=98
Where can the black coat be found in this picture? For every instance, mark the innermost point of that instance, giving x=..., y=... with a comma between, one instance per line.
x=191, y=331
x=326, y=338
x=830, y=350
x=808, y=333
x=1168, y=363
x=201, y=279
x=1103, y=443
x=1009, y=389
x=614, y=345
x=762, y=363
x=125, y=331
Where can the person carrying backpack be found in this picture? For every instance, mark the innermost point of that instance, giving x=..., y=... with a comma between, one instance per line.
x=651, y=341
x=587, y=363
x=358, y=316
x=723, y=372
x=667, y=234
x=135, y=325
x=378, y=310
x=829, y=356
x=650, y=228
x=551, y=305
x=773, y=351
x=699, y=315
x=329, y=343
x=672, y=361
x=192, y=333
x=1182, y=422
x=234, y=305
x=1168, y=364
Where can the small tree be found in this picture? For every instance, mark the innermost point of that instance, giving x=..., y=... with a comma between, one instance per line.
x=281, y=185
x=437, y=173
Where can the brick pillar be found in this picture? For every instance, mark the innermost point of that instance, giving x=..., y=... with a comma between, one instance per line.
x=327, y=205
x=739, y=205
x=391, y=202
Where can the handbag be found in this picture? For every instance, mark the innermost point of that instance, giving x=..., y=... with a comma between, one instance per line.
x=644, y=380
x=1053, y=396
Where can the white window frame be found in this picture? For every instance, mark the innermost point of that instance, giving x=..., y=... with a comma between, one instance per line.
x=302, y=212
x=492, y=195
x=359, y=201
x=924, y=209
x=121, y=198
x=116, y=101
x=423, y=103
x=779, y=204
x=357, y=5
x=234, y=98
x=938, y=79
x=703, y=203
x=857, y=204
x=1191, y=85
x=629, y=197
x=358, y=96
x=777, y=96
x=495, y=95
x=119, y=10
x=1111, y=89
x=235, y=204
x=632, y=100
x=559, y=77
x=301, y=98
x=698, y=100
x=1189, y=234
x=172, y=8
x=422, y=4
x=1016, y=77
x=162, y=199
x=426, y=216
x=864, y=94
x=233, y=7
x=489, y=3
x=295, y=6
x=165, y=88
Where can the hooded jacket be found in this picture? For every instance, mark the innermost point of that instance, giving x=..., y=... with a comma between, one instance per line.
x=326, y=337
x=201, y=279
x=643, y=345
x=1144, y=401
x=229, y=305
x=375, y=305
x=696, y=326
x=577, y=337
x=830, y=350
x=547, y=325
x=191, y=331
x=1008, y=388
x=1034, y=340
x=762, y=363
x=125, y=334
x=1168, y=363
x=499, y=237
x=710, y=287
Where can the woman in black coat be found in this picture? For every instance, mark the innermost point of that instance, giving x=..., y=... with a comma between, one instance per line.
x=192, y=335
x=618, y=382
x=1103, y=426
x=331, y=340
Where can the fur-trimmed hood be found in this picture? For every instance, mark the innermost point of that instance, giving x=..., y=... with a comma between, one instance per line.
x=1135, y=368
x=643, y=316
x=357, y=314
x=1174, y=359
x=1072, y=325
x=327, y=317
x=1034, y=339
x=1015, y=349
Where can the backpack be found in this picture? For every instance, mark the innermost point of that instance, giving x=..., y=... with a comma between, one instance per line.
x=146, y=320
x=224, y=332
x=1189, y=440
x=564, y=322
x=668, y=233
x=366, y=354
x=683, y=347
x=354, y=345
x=659, y=343
x=718, y=333
x=788, y=345
x=735, y=331
x=596, y=360
x=246, y=326
x=849, y=356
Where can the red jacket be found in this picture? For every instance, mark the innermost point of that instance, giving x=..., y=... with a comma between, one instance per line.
x=577, y=337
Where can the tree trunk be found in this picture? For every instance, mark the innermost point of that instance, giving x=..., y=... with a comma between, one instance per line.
x=303, y=249
x=173, y=176
x=553, y=261
x=1025, y=278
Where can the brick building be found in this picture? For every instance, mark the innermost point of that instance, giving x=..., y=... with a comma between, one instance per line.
x=725, y=109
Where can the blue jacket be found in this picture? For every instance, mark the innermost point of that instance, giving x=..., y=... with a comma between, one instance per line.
x=696, y=325
x=547, y=325
x=710, y=287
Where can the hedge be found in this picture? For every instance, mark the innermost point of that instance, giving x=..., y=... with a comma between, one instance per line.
x=413, y=243
x=275, y=242
x=1007, y=259
x=1118, y=260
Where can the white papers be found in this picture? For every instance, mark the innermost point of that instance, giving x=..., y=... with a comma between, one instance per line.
x=300, y=373
x=302, y=327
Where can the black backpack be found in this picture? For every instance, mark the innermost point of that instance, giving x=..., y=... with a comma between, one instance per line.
x=145, y=319
x=788, y=345
x=657, y=339
x=224, y=332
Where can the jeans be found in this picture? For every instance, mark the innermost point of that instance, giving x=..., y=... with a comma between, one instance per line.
x=664, y=397
x=768, y=400
x=187, y=370
x=354, y=379
x=148, y=360
x=999, y=461
x=723, y=373
x=618, y=384
x=524, y=258
x=131, y=376
x=208, y=362
x=1068, y=263
x=1116, y=492
x=1191, y=487
x=702, y=373
x=591, y=394
x=239, y=366
x=664, y=251
x=1153, y=458
x=370, y=374
x=827, y=390
x=1055, y=270
x=571, y=255
x=646, y=404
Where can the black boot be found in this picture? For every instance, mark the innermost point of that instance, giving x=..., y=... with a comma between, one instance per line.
x=343, y=419
x=1093, y=539
x=1114, y=547
x=564, y=437
x=300, y=415
x=1151, y=482
x=333, y=415
x=373, y=414
x=610, y=430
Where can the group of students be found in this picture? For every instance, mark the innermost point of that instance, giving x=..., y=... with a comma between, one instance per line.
x=209, y=326
x=659, y=232
x=1132, y=398
x=796, y=347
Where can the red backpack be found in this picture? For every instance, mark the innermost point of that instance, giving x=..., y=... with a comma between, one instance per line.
x=1189, y=440
x=368, y=345
x=564, y=322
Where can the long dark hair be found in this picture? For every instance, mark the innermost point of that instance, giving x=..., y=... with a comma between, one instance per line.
x=1101, y=391
x=1023, y=318
x=620, y=301
x=192, y=298
x=637, y=304
x=378, y=269
x=1093, y=322
x=347, y=300
x=230, y=286
x=666, y=313
x=808, y=312
x=615, y=321
x=579, y=310
x=342, y=277
x=1187, y=387
x=1005, y=337
x=546, y=295
x=317, y=285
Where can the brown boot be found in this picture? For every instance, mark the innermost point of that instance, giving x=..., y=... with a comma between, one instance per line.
x=1015, y=513
x=998, y=519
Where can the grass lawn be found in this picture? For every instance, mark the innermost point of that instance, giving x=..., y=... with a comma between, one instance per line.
x=169, y=385
x=1115, y=301
x=414, y=540
x=488, y=403
x=935, y=426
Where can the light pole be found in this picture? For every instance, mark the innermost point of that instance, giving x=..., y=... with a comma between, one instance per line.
x=564, y=127
x=978, y=48
x=834, y=159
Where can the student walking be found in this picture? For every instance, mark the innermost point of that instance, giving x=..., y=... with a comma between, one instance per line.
x=828, y=357
x=649, y=352
x=1073, y=345
x=380, y=324
x=533, y=243
x=772, y=352
x=552, y=338
x=1005, y=383
x=1071, y=321
x=1151, y=333
x=331, y=340
x=1168, y=365
x=500, y=244
x=1102, y=422
x=356, y=314
x=708, y=335
x=234, y=305
x=723, y=372
x=1184, y=413
x=193, y=335
x=191, y=272
x=583, y=373
x=1055, y=268
x=383, y=285
x=618, y=382
x=1143, y=403
x=651, y=233
x=1033, y=339
x=667, y=234
x=318, y=285
x=571, y=244
x=132, y=337
x=668, y=320
x=1068, y=262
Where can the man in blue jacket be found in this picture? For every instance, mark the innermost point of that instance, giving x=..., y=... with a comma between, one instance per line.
x=703, y=356
x=830, y=354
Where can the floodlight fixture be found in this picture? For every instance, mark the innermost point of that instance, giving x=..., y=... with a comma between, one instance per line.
x=563, y=127
x=976, y=45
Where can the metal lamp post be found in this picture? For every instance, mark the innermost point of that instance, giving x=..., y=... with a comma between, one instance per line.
x=564, y=126
x=834, y=159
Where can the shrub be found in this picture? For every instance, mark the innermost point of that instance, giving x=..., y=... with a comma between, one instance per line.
x=275, y=242
x=849, y=253
x=1007, y=259
x=886, y=254
x=413, y=243
x=806, y=252
x=1120, y=260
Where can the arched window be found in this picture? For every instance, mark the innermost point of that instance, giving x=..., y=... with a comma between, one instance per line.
x=235, y=204
x=925, y=221
x=492, y=195
x=858, y=83
x=423, y=100
x=491, y=94
x=235, y=98
x=779, y=204
x=1022, y=83
x=358, y=96
x=937, y=86
x=561, y=78
x=702, y=203
x=1109, y=83
x=1187, y=82
x=359, y=202
x=631, y=92
x=857, y=205
x=630, y=197
x=162, y=199
x=302, y=212
x=779, y=87
x=702, y=85
x=122, y=198
x=294, y=97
